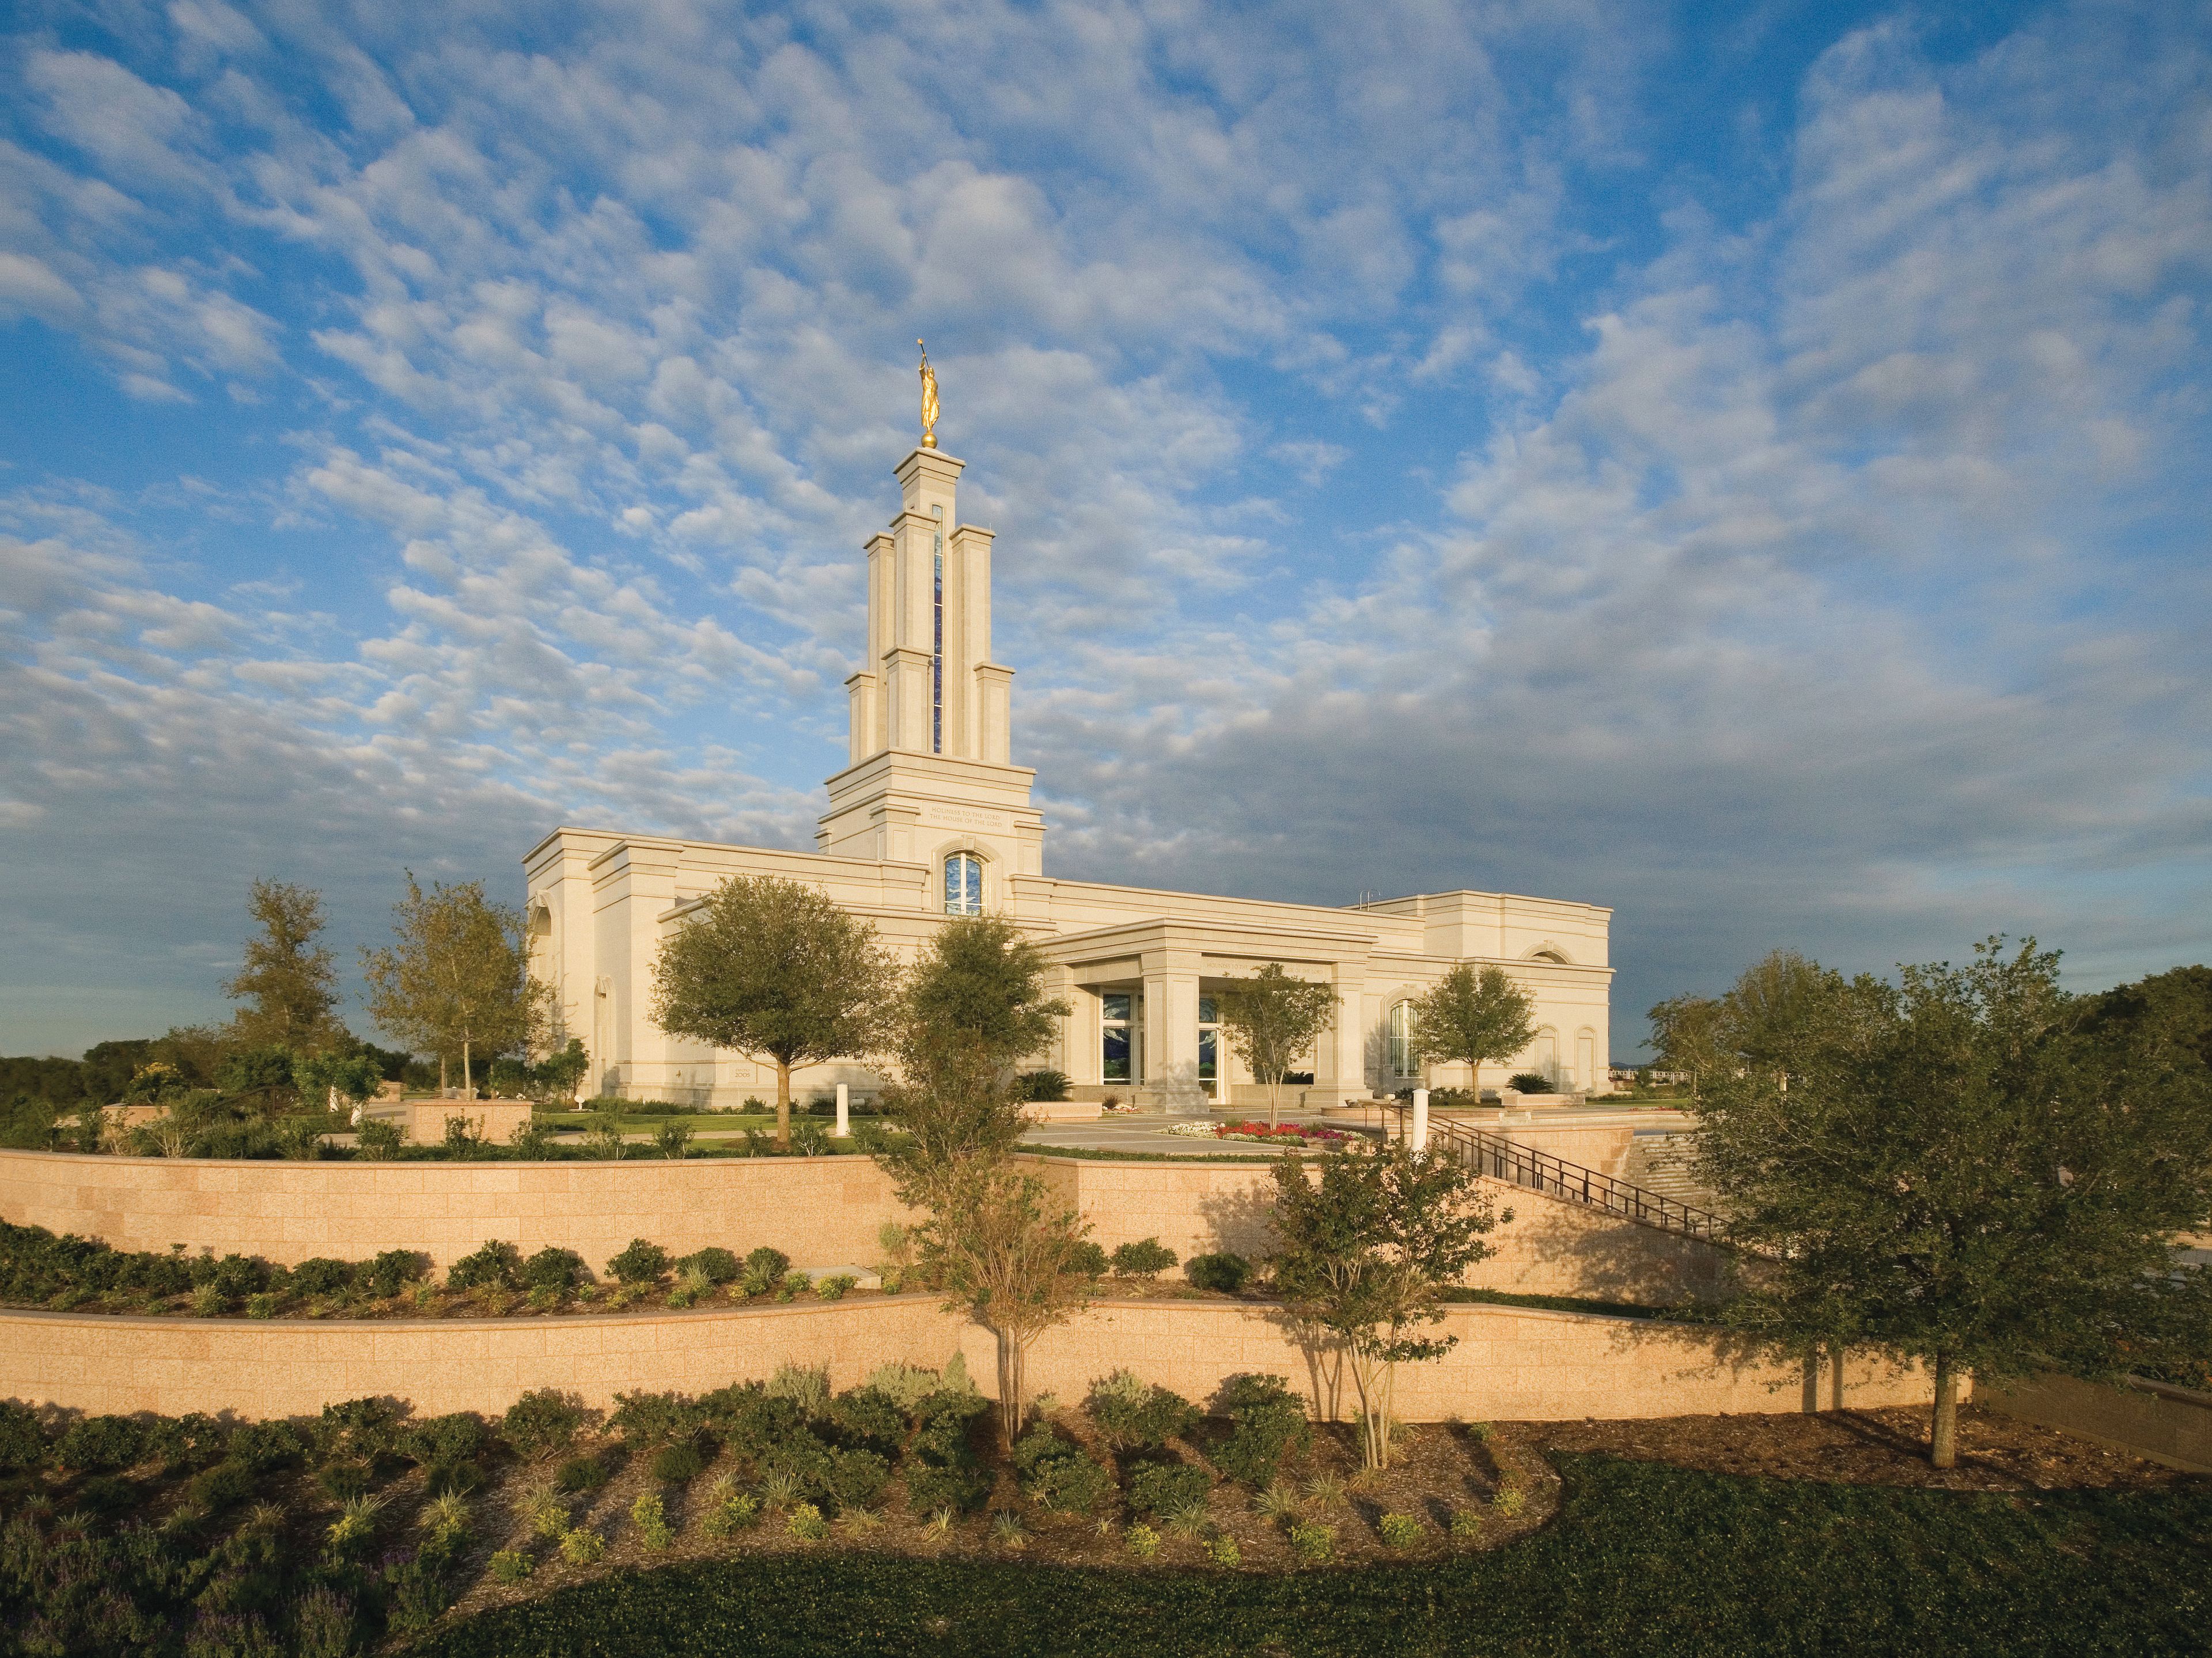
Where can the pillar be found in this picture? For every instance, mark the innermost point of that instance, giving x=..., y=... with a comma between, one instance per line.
x=845, y=1110
x=1420, y=1119
x=1170, y=1022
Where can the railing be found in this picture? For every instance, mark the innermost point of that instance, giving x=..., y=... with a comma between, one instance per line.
x=1540, y=1171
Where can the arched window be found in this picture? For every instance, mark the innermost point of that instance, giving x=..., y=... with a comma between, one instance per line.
x=1405, y=1060
x=963, y=884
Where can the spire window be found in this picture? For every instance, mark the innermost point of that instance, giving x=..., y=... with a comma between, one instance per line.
x=937, y=648
x=963, y=884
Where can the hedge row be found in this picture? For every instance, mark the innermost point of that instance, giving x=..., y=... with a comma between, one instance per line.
x=1645, y=1561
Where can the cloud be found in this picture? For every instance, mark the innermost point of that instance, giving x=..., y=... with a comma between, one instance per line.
x=1826, y=572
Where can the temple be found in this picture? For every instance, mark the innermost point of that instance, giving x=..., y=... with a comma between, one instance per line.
x=931, y=818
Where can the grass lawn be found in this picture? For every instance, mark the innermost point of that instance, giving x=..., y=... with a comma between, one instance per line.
x=1644, y=1558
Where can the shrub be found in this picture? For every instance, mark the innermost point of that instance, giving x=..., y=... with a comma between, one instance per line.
x=1131, y=1412
x=100, y=1443
x=931, y=1487
x=1167, y=1487
x=261, y=1306
x=1040, y=1085
x=640, y=1263
x=1313, y=1540
x=805, y=1524
x=714, y=1263
x=544, y=1513
x=356, y=1526
x=554, y=1268
x=323, y=1625
x=647, y=1419
x=264, y=1446
x=1400, y=1531
x=650, y=1516
x=512, y=1566
x=393, y=1271
x=770, y=1264
x=1529, y=1082
x=1466, y=1524
x=543, y=1421
x=833, y=1287
x=1266, y=1421
x=582, y=1546
x=1144, y=1542
x=1509, y=1499
x=810, y=1139
x=870, y=1418
x=1146, y=1260
x=344, y=1480
x=581, y=1473
x=23, y=1442
x=856, y=1479
x=322, y=1276
x=673, y=1138
x=1088, y=1258
x=807, y=1386
x=1226, y=1272
x=1056, y=1474
x=497, y=1266
x=678, y=1463
x=225, y=1485
x=733, y=1513
x=379, y=1141
x=1223, y=1551
x=439, y=1441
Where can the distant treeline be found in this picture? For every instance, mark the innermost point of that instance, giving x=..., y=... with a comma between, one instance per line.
x=103, y=1075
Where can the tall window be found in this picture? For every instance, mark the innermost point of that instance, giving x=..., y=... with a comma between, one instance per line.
x=1405, y=1059
x=963, y=884
x=1115, y=1046
x=937, y=649
x=1209, y=1048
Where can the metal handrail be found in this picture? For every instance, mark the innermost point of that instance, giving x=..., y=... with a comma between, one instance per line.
x=1505, y=1159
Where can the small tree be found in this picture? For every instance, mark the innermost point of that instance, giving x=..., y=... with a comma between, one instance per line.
x=353, y=1078
x=1006, y=1254
x=1473, y=1014
x=556, y=1075
x=1370, y=1241
x=286, y=980
x=1957, y=1169
x=769, y=966
x=457, y=981
x=1271, y=1018
x=974, y=1007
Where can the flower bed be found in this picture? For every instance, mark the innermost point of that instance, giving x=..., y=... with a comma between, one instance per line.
x=1289, y=1134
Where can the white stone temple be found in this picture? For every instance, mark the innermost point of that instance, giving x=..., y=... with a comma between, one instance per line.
x=931, y=817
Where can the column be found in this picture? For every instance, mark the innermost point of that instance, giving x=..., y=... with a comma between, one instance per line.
x=1171, y=1025
x=1341, y=1064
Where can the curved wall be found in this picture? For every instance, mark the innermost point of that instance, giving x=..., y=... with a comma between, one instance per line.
x=1509, y=1363
x=819, y=1211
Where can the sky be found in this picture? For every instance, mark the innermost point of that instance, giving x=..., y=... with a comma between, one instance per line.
x=1744, y=465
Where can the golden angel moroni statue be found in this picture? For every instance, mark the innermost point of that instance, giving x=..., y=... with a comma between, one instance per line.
x=928, y=400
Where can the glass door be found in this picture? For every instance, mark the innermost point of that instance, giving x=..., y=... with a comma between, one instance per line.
x=1119, y=1017
x=1213, y=1067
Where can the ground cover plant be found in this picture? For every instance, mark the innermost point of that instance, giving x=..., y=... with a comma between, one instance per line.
x=1642, y=1557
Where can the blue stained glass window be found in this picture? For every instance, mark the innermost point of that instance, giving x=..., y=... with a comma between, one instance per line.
x=1209, y=1054
x=963, y=884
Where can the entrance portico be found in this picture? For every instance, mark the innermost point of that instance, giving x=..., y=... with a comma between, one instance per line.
x=1172, y=973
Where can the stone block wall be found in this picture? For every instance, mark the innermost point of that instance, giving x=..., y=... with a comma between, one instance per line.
x=1509, y=1363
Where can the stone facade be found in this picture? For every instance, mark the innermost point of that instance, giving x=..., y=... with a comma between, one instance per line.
x=931, y=816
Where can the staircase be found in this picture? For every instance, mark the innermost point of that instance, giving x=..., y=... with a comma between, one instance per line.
x=1661, y=1163
x=1500, y=1158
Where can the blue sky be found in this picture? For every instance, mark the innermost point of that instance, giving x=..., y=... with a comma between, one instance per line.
x=1742, y=465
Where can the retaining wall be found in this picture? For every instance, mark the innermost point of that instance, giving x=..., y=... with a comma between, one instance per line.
x=1510, y=1364
x=2168, y=1425
x=819, y=1211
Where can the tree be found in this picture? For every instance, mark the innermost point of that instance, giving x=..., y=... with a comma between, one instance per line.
x=457, y=982
x=1472, y=1015
x=556, y=1075
x=773, y=967
x=287, y=980
x=974, y=1007
x=1685, y=1036
x=1270, y=1019
x=263, y=1075
x=1959, y=1169
x=1003, y=1254
x=1369, y=1239
x=352, y=1078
